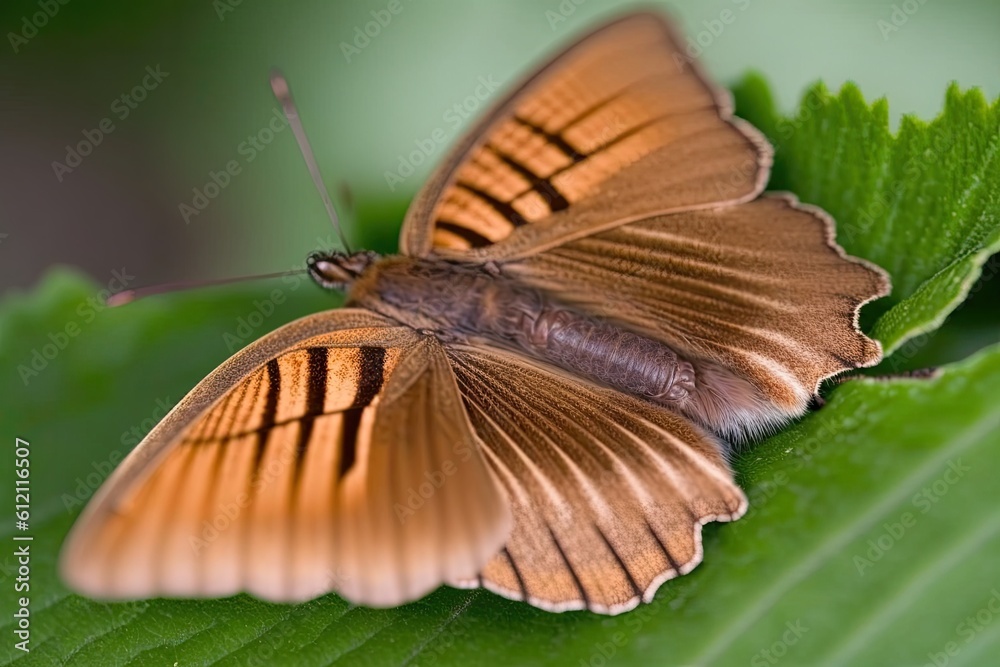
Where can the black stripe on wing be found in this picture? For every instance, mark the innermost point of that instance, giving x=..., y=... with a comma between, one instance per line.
x=272, y=387
x=371, y=377
x=317, y=371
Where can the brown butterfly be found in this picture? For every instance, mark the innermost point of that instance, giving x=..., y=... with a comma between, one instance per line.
x=531, y=397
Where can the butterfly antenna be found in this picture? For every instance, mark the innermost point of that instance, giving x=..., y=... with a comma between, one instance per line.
x=284, y=95
x=130, y=295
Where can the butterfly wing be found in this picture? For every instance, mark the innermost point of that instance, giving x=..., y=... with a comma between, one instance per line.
x=333, y=454
x=617, y=179
x=758, y=295
x=608, y=492
x=620, y=126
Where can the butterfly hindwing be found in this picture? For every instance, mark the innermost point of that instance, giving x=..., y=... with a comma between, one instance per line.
x=758, y=294
x=608, y=492
x=447, y=513
x=291, y=471
x=620, y=126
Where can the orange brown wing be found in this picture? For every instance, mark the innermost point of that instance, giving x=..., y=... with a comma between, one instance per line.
x=759, y=296
x=291, y=471
x=618, y=127
x=608, y=492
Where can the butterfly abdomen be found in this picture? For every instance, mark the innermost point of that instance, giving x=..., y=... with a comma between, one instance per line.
x=617, y=357
x=460, y=302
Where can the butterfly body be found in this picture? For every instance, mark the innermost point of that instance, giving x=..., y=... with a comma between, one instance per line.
x=459, y=302
x=592, y=296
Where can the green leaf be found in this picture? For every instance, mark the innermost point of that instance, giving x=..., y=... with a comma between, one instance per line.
x=923, y=204
x=873, y=526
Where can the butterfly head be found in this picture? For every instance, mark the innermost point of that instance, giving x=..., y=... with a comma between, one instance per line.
x=337, y=270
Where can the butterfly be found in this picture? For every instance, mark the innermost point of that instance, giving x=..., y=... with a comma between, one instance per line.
x=538, y=395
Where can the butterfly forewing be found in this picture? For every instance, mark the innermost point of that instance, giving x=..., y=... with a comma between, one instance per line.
x=296, y=479
x=619, y=126
x=608, y=492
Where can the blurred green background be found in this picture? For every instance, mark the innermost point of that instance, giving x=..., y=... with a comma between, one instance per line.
x=364, y=105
